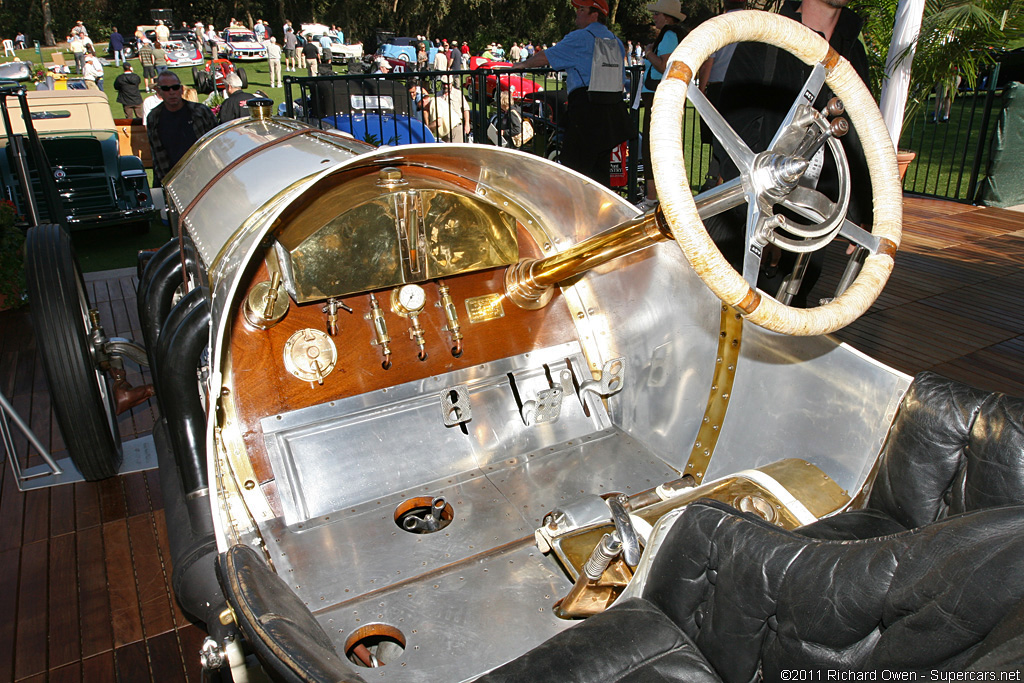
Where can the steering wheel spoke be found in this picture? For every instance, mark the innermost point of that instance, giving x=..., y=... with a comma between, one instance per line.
x=733, y=144
x=809, y=93
x=757, y=224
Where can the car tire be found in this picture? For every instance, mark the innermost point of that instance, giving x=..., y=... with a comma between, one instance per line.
x=204, y=84
x=195, y=77
x=81, y=395
x=241, y=75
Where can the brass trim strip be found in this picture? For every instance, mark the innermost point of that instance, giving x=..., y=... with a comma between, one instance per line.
x=729, y=342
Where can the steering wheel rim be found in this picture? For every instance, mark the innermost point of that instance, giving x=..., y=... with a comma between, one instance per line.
x=677, y=201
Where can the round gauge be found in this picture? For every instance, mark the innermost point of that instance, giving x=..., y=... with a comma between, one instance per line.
x=408, y=300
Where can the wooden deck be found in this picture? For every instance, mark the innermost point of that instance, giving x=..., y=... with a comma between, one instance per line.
x=85, y=568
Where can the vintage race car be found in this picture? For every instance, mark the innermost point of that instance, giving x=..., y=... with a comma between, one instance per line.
x=401, y=53
x=517, y=84
x=181, y=53
x=240, y=44
x=16, y=71
x=212, y=77
x=92, y=183
x=340, y=52
x=456, y=413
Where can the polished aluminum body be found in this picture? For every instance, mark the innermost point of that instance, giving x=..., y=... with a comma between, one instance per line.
x=479, y=592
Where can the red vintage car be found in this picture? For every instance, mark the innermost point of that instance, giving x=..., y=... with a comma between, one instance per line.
x=517, y=84
x=212, y=76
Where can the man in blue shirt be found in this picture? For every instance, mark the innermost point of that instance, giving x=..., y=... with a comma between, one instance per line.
x=598, y=119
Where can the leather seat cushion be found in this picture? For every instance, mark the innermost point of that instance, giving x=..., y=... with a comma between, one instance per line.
x=633, y=642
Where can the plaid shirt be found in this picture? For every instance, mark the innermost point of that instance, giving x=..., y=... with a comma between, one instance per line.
x=146, y=55
x=203, y=120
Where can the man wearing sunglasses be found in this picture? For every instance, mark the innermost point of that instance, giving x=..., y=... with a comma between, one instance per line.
x=174, y=125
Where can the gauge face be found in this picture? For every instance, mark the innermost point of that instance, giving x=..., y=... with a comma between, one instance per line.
x=408, y=300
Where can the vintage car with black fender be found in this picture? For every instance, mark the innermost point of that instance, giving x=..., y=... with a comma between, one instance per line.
x=454, y=413
x=95, y=185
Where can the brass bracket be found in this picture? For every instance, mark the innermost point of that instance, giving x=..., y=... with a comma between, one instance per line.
x=729, y=338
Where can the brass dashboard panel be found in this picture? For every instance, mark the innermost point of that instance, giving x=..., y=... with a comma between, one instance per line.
x=389, y=237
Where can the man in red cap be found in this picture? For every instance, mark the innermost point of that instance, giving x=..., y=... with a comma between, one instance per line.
x=598, y=119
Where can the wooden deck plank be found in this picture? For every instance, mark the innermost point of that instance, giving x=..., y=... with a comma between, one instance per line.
x=10, y=566
x=132, y=663
x=62, y=510
x=65, y=641
x=125, y=617
x=165, y=657
x=31, y=637
x=99, y=669
x=153, y=586
x=93, y=593
x=87, y=505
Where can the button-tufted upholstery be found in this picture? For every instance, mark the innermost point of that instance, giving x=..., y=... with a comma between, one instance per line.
x=752, y=599
x=951, y=449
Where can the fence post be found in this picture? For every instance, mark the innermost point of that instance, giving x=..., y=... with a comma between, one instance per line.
x=972, y=188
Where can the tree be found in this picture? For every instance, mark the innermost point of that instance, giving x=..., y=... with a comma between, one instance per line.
x=957, y=40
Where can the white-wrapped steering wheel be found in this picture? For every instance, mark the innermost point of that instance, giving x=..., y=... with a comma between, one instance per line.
x=677, y=201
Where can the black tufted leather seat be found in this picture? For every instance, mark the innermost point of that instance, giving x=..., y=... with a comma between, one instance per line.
x=951, y=449
x=731, y=598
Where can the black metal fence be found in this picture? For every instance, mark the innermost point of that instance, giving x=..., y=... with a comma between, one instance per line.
x=523, y=109
x=951, y=161
x=953, y=155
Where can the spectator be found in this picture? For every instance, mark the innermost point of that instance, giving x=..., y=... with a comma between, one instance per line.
x=508, y=124
x=465, y=49
x=117, y=47
x=310, y=56
x=597, y=119
x=457, y=63
x=289, y=48
x=163, y=34
x=93, y=70
x=667, y=16
x=149, y=104
x=159, y=58
x=260, y=31
x=148, y=62
x=274, y=60
x=440, y=61
x=421, y=56
x=759, y=88
x=381, y=66
x=78, y=50
x=235, y=100
x=211, y=38
x=420, y=97
x=449, y=113
x=174, y=125
x=514, y=53
x=20, y=40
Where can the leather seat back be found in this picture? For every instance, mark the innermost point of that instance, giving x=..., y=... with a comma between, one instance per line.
x=757, y=598
x=951, y=449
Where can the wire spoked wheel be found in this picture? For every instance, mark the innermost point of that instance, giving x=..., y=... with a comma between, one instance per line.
x=80, y=391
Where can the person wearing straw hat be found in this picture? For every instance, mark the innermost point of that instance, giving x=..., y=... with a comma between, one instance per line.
x=594, y=62
x=667, y=16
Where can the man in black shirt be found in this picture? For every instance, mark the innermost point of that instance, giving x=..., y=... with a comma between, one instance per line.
x=312, y=56
x=174, y=125
x=127, y=87
x=760, y=86
x=236, y=99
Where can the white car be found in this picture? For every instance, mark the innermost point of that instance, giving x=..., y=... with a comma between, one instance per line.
x=340, y=52
x=183, y=53
x=241, y=45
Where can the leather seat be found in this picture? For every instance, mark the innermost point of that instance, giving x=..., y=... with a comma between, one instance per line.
x=732, y=598
x=951, y=449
